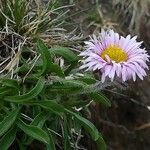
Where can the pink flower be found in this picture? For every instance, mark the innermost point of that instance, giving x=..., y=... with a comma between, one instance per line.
x=115, y=56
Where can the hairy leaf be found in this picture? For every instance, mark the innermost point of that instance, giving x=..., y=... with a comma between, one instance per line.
x=10, y=83
x=99, y=97
x=8, y=138
x=51, y=145
x=65, y=52
x=101, y=143
x=46, y=56
x=8, y=121
x=89, y=127
x=48, y=66
x=51, y=105
x=34, y=131
x=56, y=69
x=30, y=95
x=5, y=91
x=40, y=119
x=66, y=86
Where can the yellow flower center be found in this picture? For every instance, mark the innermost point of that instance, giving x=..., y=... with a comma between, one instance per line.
x=115, y=53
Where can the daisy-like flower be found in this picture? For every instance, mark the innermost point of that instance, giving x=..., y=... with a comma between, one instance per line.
x=115, y=56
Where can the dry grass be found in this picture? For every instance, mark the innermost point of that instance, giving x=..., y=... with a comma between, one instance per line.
x=24, y=21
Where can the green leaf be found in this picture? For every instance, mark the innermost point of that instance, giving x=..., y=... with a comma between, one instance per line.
x=40, y=119
x=101, y=143
x=72, y=102
x=77, y=126
x=46, y=57
x=70, y=68
x=56, y=69
x=8, y=121
x=30, y=95
x=23, y=69
x=75, y=84
x=51, y=145
x=5, y=91
x=10, y=83
x=50, y=105
x=48, y=65
x=8, y=138
x=65, y=52
x=34, y=132
x=66, y=86
x=99, y=97
x=21, y=145
x=66, y=135
x=89, y=127
x=87, y=79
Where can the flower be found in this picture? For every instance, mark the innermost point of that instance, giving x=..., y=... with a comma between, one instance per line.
x=115, y=56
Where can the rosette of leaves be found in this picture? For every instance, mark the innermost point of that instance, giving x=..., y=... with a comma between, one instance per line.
x=44, y=100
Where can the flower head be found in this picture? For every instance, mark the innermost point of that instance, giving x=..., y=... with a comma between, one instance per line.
x=115, y=56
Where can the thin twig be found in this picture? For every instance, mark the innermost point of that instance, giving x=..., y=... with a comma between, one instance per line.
x=144, y=126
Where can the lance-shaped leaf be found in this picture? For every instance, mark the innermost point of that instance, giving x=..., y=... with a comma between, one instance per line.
x=30, y=95
x=86, y=124
x=65, y=52
x=8, y=121
x=46, y=57
x=38, y=121
x=68, y=55
x=51, y=145
x=101, y=145
x=8, y=139
x=10, y=83
x=48, y=65
x=50, y=105
x=66, y=134
x=34, y=132
x=66, y=86
x=5, y=91
x=99, y=97
x=56, y=69
x=89, y=127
